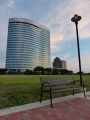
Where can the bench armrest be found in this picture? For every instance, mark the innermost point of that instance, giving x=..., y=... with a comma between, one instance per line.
x=78, y=81
x=48, y=85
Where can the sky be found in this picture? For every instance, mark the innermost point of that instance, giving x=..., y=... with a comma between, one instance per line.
x=55, y=15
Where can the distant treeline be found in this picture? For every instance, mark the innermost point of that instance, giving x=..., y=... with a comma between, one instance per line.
x=39, y=71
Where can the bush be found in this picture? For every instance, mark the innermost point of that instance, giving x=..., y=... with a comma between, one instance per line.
x=55, y=72
x=28, y=72
x=3, y=71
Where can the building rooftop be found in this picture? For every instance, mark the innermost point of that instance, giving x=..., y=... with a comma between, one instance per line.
x=18, y=19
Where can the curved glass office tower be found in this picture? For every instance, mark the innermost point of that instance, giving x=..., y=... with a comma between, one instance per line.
x=28, y=45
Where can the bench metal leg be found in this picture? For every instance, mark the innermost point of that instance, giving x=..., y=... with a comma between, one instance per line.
x=84, y=92
x=41, y=96
x=51, y=99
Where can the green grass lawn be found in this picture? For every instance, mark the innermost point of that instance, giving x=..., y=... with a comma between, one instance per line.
x=21, y=89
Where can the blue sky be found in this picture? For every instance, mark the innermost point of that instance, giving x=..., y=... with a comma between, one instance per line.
x=55, y=15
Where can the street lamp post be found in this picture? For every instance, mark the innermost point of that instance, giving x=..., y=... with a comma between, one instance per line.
x=75, y=19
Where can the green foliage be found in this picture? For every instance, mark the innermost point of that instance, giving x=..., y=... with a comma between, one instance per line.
x=3, y=71
x=65, y=72
x=28, y=72
x=47, y=71
x=55, y=71
x=79, y=72
x=18, y=71
x=38, y=68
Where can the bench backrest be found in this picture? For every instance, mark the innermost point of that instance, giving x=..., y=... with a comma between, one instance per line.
x=56, y=84
x=57, y=81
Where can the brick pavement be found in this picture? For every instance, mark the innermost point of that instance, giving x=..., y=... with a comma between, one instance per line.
x=74, y=109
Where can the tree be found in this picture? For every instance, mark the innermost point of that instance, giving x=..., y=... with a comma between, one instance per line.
x=28, y=72
x=55, y=71
x=3, y=71
x=39, y=70
x=47, y=70
x=70, y=72
x=64, y=71
x=18, y=71
x=81, y=72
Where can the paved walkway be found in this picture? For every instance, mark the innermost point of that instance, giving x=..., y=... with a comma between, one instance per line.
x=64, y=108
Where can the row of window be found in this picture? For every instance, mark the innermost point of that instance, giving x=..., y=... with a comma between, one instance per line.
x=35, y=42
x=27, y=33
x=30, y=45
x=29, y=42
x=10, y=29
x=23, y=23
x=28, y=25
x=24, y=65
x=16, y=32
x=27, y=30
x=27, y=49
x=26, y=46
x=30, y=58
x=27, y=62
x=15, y=28
x=27, y=39
x=23, y=47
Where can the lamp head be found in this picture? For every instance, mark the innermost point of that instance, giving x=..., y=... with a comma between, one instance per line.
x=76, y=18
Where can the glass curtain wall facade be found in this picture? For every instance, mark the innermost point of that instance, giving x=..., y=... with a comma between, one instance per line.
x=28, y=45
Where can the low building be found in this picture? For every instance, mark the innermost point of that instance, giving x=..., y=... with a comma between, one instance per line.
x=59, y=64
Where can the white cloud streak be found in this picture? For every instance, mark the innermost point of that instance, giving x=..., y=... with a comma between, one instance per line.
x=10, y=3
x=73, y=64
x=58, y=21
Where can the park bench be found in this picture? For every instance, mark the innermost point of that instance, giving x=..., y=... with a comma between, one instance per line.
x=53, y=85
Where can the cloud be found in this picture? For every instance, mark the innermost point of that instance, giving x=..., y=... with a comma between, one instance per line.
x=56, y=38
x=3, y=34
x=6, y=7
x=52, y=59
x=2, y=53
x=10, y=3
x=58, y=20
x=65, y=56
x=3, y=38
x=2, y=64
x=73, y=64
x=7, y=4
x=2, y=47
x=55, y=48
x=55, y=42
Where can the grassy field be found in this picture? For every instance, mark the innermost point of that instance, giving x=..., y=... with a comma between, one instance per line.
x=21, y=89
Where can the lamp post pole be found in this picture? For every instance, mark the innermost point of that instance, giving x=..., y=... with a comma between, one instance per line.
x=75, y=19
